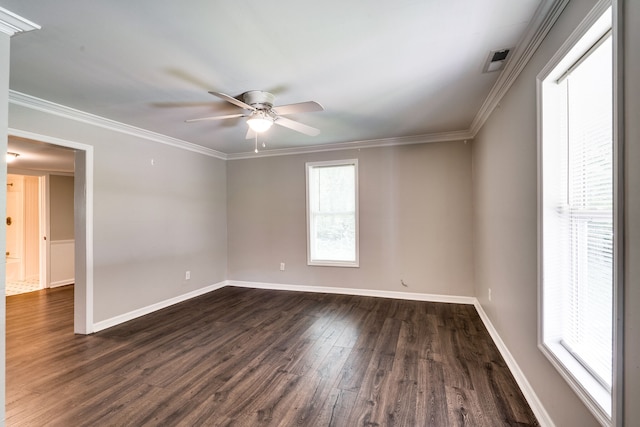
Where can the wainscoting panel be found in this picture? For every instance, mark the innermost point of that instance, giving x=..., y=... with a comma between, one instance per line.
x=62, y=262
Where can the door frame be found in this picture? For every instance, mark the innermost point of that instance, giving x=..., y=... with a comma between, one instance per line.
x=43, y=186
x=83, y=225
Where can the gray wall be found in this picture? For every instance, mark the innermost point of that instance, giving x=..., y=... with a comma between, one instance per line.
x=505, y=225
x=151, y=222
x=415, y=220
x=61, y=207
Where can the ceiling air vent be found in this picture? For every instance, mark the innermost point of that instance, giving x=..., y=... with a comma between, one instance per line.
x=496, y=60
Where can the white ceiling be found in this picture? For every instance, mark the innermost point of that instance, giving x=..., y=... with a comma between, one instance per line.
x=39, y=156
x=381, y=69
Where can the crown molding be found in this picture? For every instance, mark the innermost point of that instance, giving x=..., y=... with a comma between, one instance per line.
x=12, y=24
x=28, y=101
x=372, y=143
x=544, y=18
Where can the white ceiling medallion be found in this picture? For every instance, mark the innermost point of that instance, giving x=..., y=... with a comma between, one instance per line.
x=11, y=24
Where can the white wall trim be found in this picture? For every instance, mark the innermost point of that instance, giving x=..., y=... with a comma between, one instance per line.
x=86, y=328
x=527, y=390
x=108, y=323
x=49, y=140
x=620, y=216
x=62, y=241
x=373, y=143
x=574, y=38
x=60, y=283
x=353, y=291
x=12, y=24
x=28, y=101
x=34, y=103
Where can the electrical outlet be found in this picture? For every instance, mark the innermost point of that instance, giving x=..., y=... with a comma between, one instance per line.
x=282, y=266
x=187, y=275
x=489, y=294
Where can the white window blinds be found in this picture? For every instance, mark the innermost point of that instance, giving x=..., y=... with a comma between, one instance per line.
x=588, y=213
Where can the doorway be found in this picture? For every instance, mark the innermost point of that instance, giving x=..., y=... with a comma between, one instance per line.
x=82, y=170
x=25, y=216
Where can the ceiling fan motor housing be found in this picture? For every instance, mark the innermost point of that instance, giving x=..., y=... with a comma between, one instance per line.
x=258, y=99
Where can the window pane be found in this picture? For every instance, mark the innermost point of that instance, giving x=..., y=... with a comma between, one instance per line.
x=588, y=328
x=335, y=237
x=332, y=212
x=336, y=185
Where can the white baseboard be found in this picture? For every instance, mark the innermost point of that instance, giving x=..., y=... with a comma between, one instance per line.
x=62, y=283
x=104, y=324
x=529, y=394
x=353, y=291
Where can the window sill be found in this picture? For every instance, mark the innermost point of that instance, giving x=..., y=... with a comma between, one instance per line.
x=595, y=397
x=333, y=264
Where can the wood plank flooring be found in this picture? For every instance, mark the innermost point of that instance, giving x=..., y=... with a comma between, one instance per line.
x=248, y=357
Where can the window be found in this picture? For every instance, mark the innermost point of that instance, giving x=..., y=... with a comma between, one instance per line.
x=576, y=215
x=332, y=213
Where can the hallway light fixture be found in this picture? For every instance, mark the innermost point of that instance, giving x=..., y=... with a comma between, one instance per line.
x=11, y=157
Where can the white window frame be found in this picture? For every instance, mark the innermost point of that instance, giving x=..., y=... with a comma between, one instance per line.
x=600, y=401
x=328, y=262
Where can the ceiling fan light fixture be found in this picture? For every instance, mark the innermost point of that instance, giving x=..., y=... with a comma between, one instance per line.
x=259, y=121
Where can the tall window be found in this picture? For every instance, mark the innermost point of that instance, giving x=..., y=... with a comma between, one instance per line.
x=576, y=209
x=332, y=213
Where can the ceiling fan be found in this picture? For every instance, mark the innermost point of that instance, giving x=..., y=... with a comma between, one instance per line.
x=262, y=114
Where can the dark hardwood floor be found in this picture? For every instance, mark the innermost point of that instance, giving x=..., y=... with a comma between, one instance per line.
x=248, y=357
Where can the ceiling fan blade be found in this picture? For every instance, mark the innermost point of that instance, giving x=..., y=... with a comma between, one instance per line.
x=297, y=126
x=228, y=116
x=251, y=134
x=232, y=100
x=301, y=107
